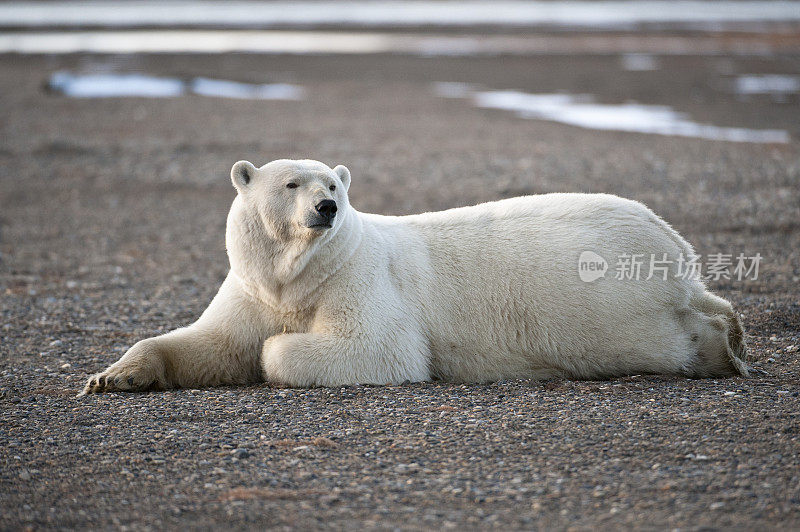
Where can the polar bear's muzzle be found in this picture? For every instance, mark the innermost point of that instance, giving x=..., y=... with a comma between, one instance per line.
x=324, y=215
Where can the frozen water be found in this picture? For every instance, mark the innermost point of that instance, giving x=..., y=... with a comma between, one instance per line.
x=636, y=48
x=452, y=89
x=195, y=41
x=582, y=111
x=639, y=62
x=115, y=85
x=232, y=89
x=110, y=85
x=373, y=13
x=767, y=84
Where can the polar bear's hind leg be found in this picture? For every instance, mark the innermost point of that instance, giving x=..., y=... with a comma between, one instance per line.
x=719, y=337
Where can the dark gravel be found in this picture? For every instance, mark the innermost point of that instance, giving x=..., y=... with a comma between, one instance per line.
x=112, y=215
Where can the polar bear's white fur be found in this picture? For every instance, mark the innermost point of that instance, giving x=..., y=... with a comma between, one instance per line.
x=471, y=294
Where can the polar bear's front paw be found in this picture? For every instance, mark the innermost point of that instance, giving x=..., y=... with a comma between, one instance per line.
x=112, y=380
x=271, y=360
x=141, y=369
x=282, y=363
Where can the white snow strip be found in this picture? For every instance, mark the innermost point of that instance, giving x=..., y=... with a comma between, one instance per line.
x=639, y=62
x=452, y=89
x=189, y=41
x=328, y=42
x=374, y=13
x=245, y=91
x=115, y=85
x=581, y=111
x=141, y=85
x=767, y=84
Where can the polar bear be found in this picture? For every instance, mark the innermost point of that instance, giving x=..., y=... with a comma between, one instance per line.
x=319, y=294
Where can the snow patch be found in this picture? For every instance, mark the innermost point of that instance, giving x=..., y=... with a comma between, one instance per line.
x=582, y=111
x=570, y=13
x=115, y=85
x=639, y=62
x=767, y=84
x=231, y=89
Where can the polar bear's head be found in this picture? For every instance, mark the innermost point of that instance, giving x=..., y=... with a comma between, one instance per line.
x=286, y=213
x=295, y=200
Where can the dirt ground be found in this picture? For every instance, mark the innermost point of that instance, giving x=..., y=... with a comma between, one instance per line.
x=112, y=216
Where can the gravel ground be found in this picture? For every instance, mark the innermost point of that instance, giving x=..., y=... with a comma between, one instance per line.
x=112, y=215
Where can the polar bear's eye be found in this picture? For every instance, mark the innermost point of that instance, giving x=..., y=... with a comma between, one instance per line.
x=332, y=187
x=291, y=185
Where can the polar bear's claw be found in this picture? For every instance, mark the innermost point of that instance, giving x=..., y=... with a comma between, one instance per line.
x=141, y=369
x=115, y=383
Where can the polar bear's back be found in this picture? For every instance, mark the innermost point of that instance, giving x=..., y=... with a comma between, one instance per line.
x=501, y=292
x=518, y=234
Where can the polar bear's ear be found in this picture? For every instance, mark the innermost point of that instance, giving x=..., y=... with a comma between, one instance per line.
x=344, y=175
x=241, y=174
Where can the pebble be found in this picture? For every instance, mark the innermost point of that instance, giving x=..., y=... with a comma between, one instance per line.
x=240, y=453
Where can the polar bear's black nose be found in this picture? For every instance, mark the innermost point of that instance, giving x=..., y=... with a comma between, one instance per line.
x=327, y=208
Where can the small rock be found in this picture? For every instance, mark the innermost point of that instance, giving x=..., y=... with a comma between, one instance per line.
x=406, y=468
x=322, y=441
x=241, y=454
